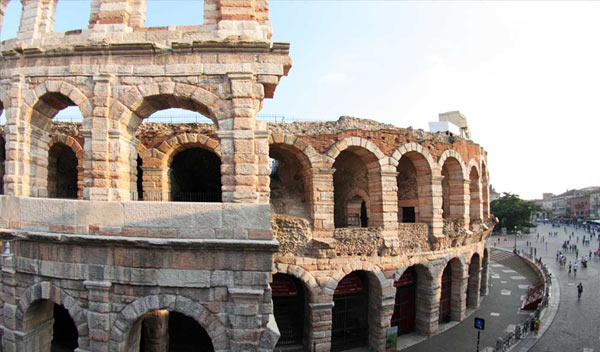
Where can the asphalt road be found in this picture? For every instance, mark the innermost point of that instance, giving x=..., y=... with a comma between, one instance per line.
x=509, y=277
x=576, y=327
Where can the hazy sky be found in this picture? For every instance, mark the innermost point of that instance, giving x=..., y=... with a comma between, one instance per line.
x=525, y=74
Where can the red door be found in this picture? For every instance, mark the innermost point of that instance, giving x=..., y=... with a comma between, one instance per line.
x=404, y=307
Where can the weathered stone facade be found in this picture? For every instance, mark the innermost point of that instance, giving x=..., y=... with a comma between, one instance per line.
x=125, y=261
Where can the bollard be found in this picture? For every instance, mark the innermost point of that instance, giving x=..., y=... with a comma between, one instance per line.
x=499, y=344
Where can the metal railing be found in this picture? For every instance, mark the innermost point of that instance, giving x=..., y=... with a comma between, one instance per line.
x=197, y=118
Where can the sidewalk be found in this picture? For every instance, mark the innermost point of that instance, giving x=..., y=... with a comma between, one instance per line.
x=509, y=279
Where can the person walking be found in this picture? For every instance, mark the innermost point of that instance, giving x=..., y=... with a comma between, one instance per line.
x=579, y=290
x=570, y=266
x=575, y=269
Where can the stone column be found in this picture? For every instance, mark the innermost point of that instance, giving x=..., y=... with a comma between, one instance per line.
x=156, y=331
x=248, y=18
x=322, y=202
x=244, y=161
x=428, y=304
x=9, y=297
x=384, y=200
x=459, y=200
x=474, y=288
x=118, y=14
x=484, y=277
x=458, y=298
x=155, y=183
x=107, y=152
x=98, y=314
x=381, y=309
x=37, y=18
x=16, y=178
x=431, y=192
x=320, y=320
x=476, y=208
x=246, y=319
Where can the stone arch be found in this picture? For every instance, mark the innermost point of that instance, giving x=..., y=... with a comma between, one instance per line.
x=357, y=163
x=457, y=266
x=349, y=267
x=455, y=206
x=370, y=152
x=424, y=288
x=129, y=315
x=304, y=151
x=475, y=189
x=309, y=281
x=485, y=189
x=77, y=148
x=46, y=290
x=183, y=141
x=357, y=207
x=474, y=280
x=424, y=167
x=74, y=96
x=139, y=102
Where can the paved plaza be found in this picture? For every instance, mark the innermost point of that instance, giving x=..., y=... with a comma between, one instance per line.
x=576, y=327
x=509, y=279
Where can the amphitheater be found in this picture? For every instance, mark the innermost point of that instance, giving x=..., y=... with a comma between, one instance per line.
x=234, y=235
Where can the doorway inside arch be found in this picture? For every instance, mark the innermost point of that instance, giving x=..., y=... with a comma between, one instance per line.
x=350, y=328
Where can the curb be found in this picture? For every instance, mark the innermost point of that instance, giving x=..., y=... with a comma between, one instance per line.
x=547, y=316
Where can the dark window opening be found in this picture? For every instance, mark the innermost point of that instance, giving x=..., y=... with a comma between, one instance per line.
x=140, y=179
x=62, y=172
x=350, y=313
x=64, y=331
x=408, y=214
x=288, y=308
x=364, y=220
x=2, y=160
x=186, y=335
x=196, y=176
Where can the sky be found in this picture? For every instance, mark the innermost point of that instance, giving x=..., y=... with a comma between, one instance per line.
x=525, y=74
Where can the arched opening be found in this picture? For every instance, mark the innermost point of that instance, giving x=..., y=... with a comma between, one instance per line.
x=160, y=13
x=350, y=328
x=140, y=178
x=452, y=189
x=446, y=295
x=62, y=172
x=49, y=327
x=405, y=311
x=354, y=179
x=485, y=186
x=11, y=21
x=163, y=330
x=474, y=282
x=475, y=192
x=289, y=181
x=2, y=159
x=195, y=176
x=52, y=169
x=68, y=15
x=483, y=287
x=289, y=310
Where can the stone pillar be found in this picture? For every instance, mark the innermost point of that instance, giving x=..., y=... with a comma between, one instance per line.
x=246, y=319
x=431, y=192
x=322, y=202
x=3, y=4
x=16, y=178
x=484, y=277
x=476, y=208
x=458, y=298
x=428, y=303
x=246, y=18
x=245, y=161
x=98, y=314
x=320, y=320
x=118, y=14
x=474, y=288
x=485, y=199
x=384, y=200
x=381, y=309
x=156, y=331
x=107, y=152
x=155, y=183
x=9, y=297
x=459, y=200
x=37, y=18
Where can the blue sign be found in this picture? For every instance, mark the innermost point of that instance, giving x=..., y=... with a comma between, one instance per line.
x=479, y=324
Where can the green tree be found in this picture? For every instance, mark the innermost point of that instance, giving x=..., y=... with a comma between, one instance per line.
x=513, y=212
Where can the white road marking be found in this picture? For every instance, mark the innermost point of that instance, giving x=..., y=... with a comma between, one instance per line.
x=571, y=284
x=518, y=277
x=588, y=350
x=523, y=287
x=495, y=314
x=505, y=292
x=508, y=271
x=495, y=276
x=496, y=265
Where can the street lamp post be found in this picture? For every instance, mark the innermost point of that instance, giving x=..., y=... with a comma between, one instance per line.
x=515, y=250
